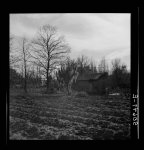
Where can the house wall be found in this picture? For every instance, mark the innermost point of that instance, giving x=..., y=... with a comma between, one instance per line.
x=83, y=85
x=99, y=86
x=92, y=86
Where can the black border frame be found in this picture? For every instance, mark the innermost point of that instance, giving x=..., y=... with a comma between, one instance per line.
x=134, y=58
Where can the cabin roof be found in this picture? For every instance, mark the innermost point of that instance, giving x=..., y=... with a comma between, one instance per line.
x=92, y=76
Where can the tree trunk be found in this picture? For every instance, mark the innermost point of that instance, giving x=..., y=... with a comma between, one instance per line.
x=25, y=81
x=69, y=89
x=47, y=83
x=25, y=68
x=48, y=72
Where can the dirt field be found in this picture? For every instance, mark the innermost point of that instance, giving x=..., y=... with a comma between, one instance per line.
x=58, y=117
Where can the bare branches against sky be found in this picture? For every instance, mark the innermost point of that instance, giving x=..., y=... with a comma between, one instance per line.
x=95, y=34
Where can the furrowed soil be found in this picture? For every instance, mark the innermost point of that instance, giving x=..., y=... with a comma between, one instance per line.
x=59, y=117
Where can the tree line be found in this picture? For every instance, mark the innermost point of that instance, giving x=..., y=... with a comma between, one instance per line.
x=47, y=56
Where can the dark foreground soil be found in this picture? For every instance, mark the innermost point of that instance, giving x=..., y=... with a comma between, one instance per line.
x=59, y=117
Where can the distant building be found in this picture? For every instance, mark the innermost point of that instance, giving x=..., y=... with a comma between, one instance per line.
x=86, y=82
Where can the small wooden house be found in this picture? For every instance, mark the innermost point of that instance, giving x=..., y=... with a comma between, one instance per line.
x=86, y=82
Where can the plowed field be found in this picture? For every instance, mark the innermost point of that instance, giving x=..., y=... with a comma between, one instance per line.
x=58, y=117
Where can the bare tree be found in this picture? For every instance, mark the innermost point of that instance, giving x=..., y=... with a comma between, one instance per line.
x=48, y=50
x=120, y=75
x=23, y=58
x=82, y=63
x=67, y=74
x=103, y=66
x=116, y=64
x=93, y=66
x=12, y=50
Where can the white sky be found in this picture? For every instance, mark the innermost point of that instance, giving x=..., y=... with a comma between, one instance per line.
x=95, y=35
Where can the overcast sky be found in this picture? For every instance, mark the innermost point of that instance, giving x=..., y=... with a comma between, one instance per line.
x=95, y=35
